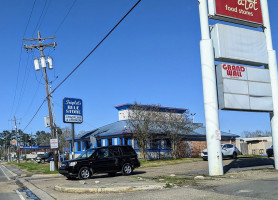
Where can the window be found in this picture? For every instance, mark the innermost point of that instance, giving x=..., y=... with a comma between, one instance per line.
x=168, y=144
x=121, y=141
x=86, y=145
x=230, y=146
x=78, y=146
x=126, y=150
x=114, y=151
x=99, y=143
x=102, y=153
x=126, y=141
x=109, y=141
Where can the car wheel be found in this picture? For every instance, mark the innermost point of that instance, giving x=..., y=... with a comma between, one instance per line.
x=84, y=173
x=42, y=161
x=234, y=155
x=205, y=159
x=127, y=169
x=112, y=174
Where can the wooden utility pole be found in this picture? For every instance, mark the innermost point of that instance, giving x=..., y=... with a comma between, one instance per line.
x=41, y=47
x=17, y=141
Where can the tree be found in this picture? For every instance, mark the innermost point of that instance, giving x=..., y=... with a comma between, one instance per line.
x=257, y=133
x=176, y=126
x=43, y=138
x=142, y=124
x=63, y=134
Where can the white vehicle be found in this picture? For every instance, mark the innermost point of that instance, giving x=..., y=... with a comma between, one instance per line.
x=228, y=150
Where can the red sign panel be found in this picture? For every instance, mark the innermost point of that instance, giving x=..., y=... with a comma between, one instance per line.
x=246, y=10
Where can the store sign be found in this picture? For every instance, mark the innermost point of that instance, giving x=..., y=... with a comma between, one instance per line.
x=72, y=110
x=246, y=12
x=243, y=88
x=239, y=45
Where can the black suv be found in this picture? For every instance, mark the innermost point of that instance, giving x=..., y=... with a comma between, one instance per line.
x=110, y=159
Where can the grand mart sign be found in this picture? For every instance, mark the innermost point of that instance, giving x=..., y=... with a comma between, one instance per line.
x=246, y=12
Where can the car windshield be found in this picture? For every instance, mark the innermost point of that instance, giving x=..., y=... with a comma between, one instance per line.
x=87, y=153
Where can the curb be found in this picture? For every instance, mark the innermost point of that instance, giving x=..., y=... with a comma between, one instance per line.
x=108, y=190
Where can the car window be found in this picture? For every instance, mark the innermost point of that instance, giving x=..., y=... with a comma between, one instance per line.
x=127, y=150
x=102, y=153
x=87, y=153
x=114, y=151
x=224, y=146
x=230, y=146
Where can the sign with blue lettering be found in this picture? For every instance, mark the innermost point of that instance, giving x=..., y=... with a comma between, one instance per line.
x=72, y=110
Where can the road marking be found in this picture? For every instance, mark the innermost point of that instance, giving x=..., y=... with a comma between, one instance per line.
x=20, y=195
x=4, y=173
x=244, y=191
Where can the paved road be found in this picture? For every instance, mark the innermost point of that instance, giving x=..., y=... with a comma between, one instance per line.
x=8, y=188
x=262, y=189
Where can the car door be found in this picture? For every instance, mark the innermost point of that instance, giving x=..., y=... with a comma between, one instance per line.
x=101, y=161
x=225, y=150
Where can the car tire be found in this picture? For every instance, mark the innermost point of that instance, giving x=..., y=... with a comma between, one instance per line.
x=84, y=173
x=42, y=161
x=127, y=169
x=205, y=159
x=234, y=155
x=112, y=174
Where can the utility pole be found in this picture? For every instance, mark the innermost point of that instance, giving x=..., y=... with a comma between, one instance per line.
x=17, y=142
x=41, y=47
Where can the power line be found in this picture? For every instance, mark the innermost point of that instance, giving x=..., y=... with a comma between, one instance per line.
x=40, y=17
x=35, y=114
x=84, y=60
x=96, y=47
x=21, y=54
x=59, y=26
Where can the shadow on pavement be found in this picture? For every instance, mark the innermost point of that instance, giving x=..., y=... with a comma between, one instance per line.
x=100, y=176
x=247, y=163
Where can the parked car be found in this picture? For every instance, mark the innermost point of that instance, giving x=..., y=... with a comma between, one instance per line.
x=111, y=159
x=44, y=158
x=228, y=150
x=269, y=151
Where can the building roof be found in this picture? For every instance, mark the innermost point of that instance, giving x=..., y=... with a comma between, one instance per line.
x=149, y=107
x=120, y=127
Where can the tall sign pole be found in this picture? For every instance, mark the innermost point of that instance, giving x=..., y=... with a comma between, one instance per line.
x=72, y=113
x=210, y=94
x=273, y=79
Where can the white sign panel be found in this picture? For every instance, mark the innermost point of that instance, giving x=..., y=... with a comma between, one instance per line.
x=243, y=88
x=238, y=45
x=53, y=143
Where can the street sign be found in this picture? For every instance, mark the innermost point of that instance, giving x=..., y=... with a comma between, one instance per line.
x=245, y=12
x=54, y=143
x=72, y=110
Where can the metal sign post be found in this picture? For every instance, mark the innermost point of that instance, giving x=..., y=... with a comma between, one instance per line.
x=210, y=95
x=273, y=79
x=72, y=113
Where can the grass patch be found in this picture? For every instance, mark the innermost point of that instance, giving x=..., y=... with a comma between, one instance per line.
x=178, y=181
x=32, y=167
x=251, y=156
x=162, y=162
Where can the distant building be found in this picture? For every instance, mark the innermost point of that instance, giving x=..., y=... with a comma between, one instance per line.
x=118, y=133
x=253, y=146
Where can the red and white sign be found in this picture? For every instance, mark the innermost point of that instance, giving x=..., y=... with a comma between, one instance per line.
x=237, y=11
x=234, y=71
x=53, y=143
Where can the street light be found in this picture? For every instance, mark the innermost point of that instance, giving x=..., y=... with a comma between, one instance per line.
x=192, y=114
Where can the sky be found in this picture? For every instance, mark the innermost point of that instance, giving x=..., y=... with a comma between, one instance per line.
x=153, y=57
